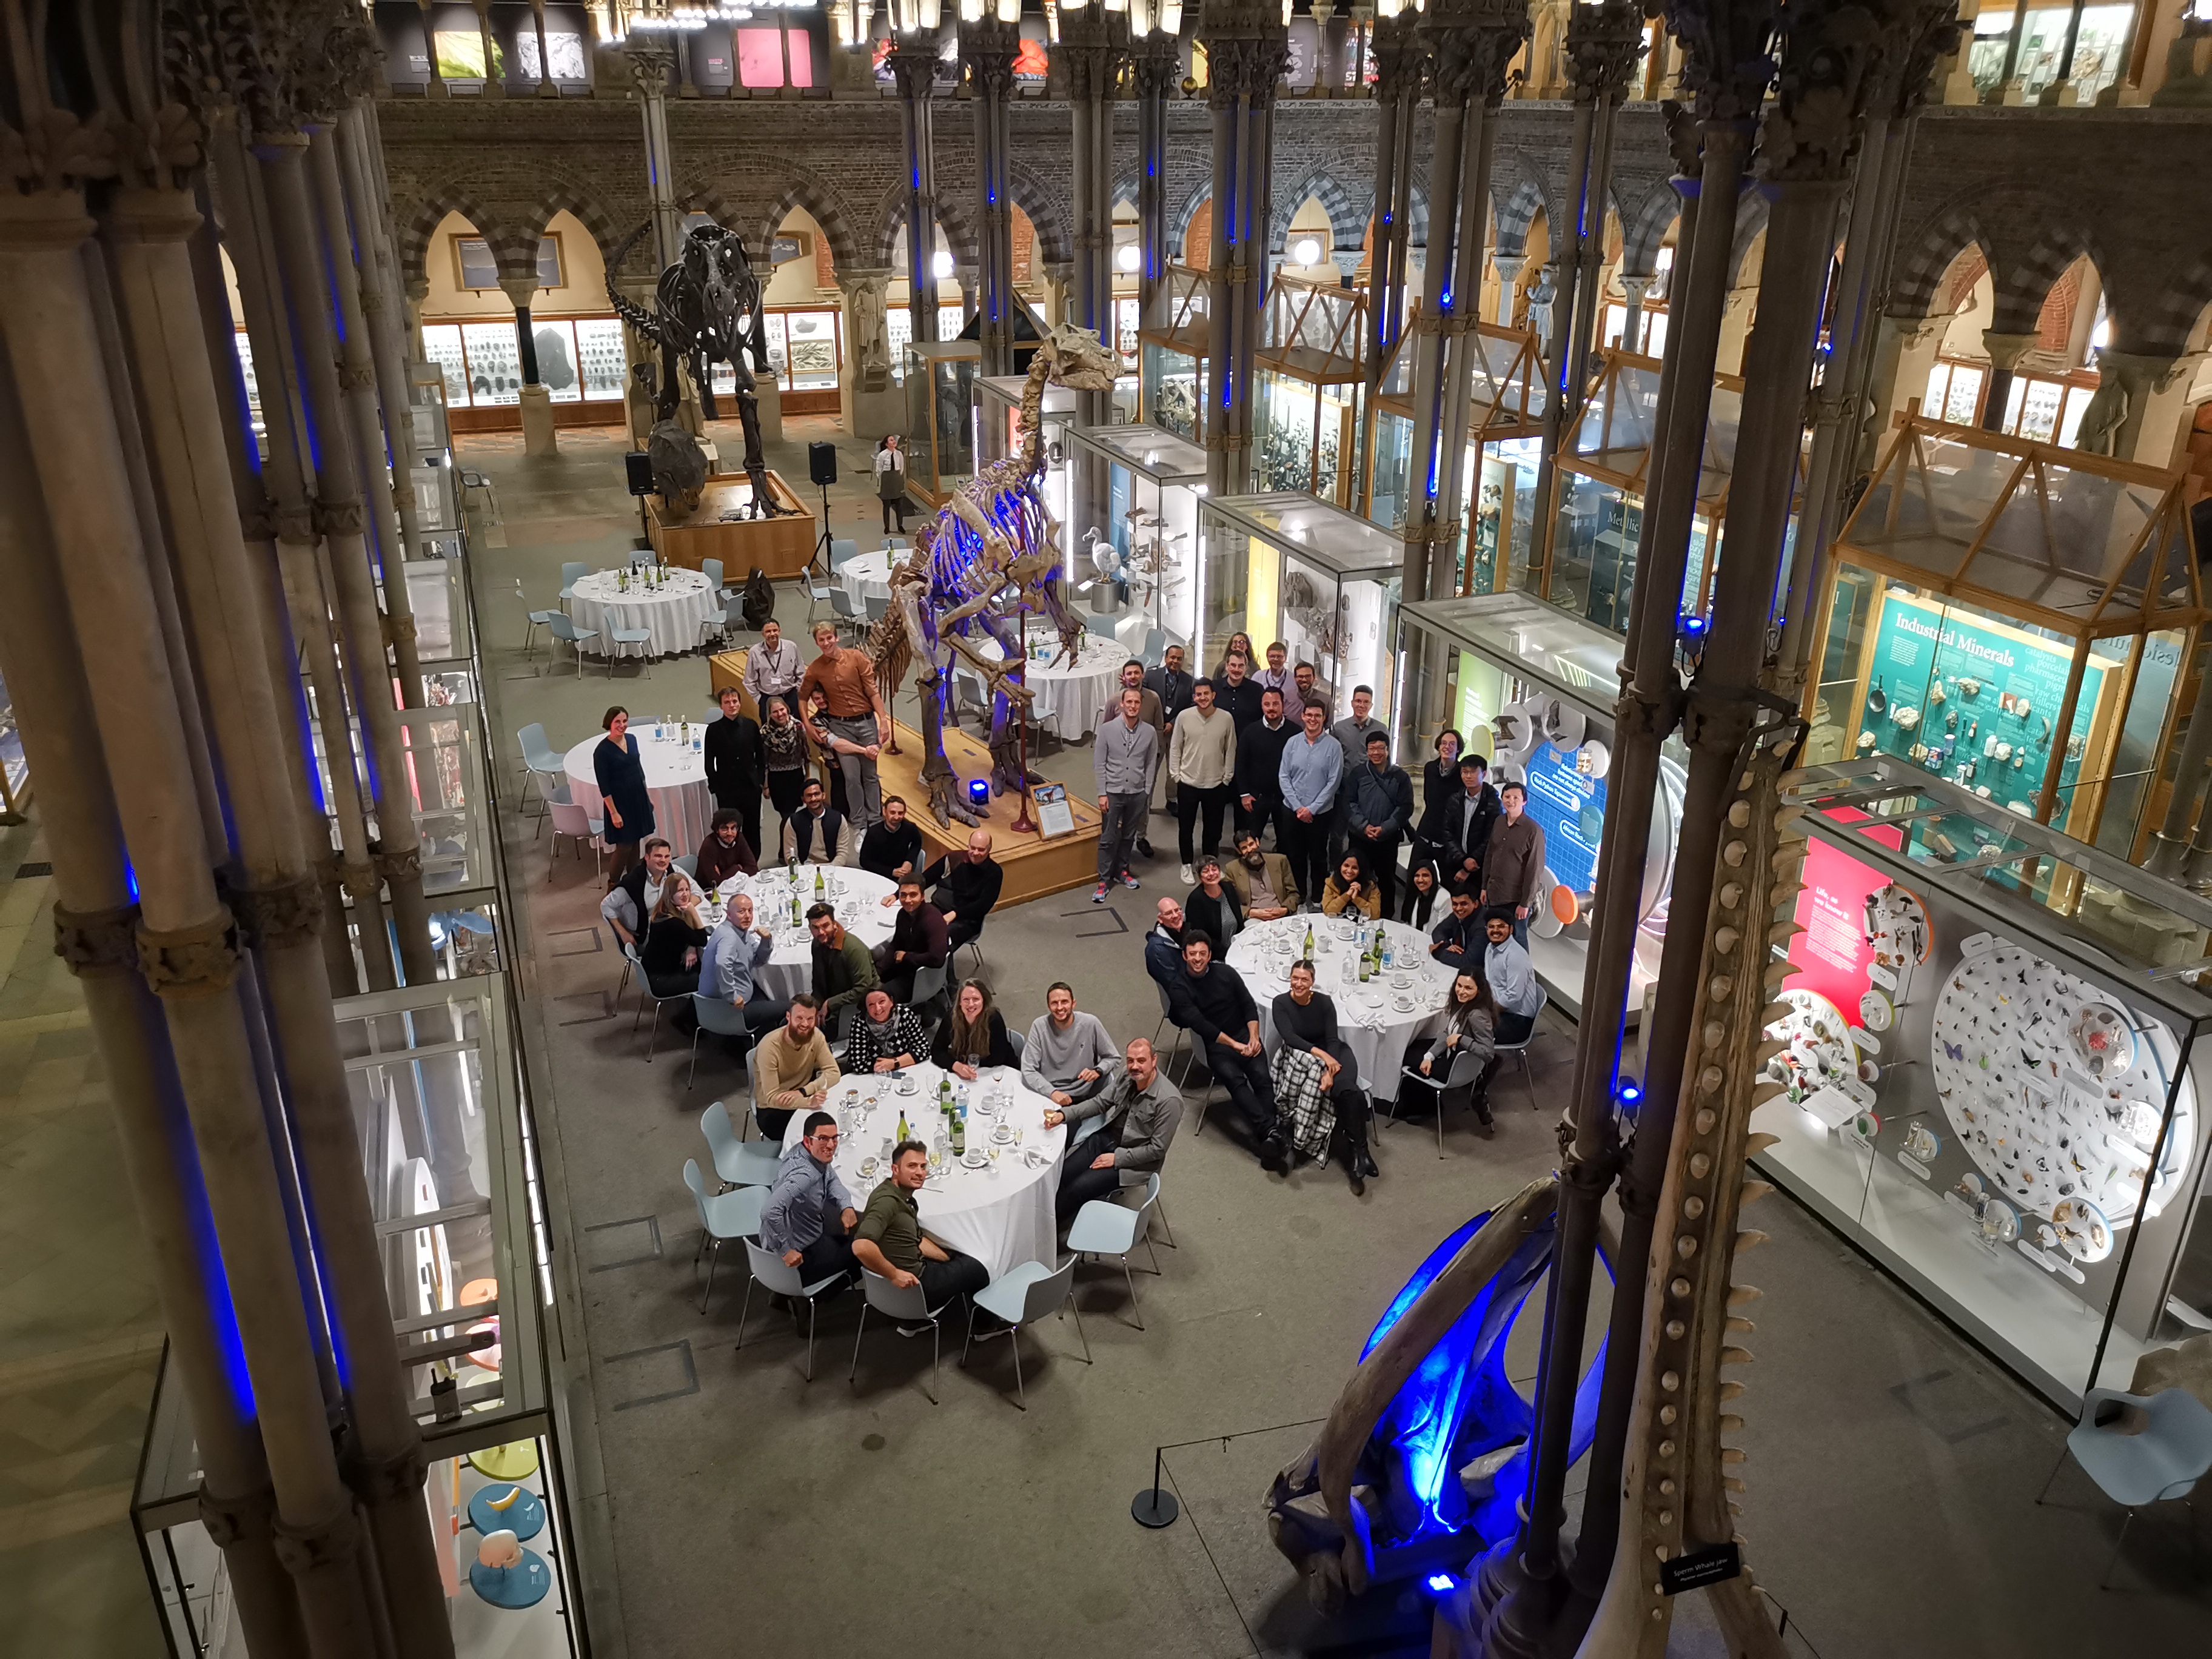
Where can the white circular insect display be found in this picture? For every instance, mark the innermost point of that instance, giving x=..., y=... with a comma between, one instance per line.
x=2046, y=1081
x=1876, y=1012
x=1820, y=1044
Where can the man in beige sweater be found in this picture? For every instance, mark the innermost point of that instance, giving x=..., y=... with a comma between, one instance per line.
x=793, y=1067
x=1202, y=762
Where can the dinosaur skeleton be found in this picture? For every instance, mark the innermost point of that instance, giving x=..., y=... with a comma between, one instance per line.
x=1341, y=1513
x=706, y=310
x=978, y=569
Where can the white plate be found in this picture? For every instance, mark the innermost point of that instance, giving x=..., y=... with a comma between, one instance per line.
x=975, y=1157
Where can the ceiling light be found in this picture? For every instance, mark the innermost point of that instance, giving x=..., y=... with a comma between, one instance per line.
x=1126, y=258
x=1308, y=252
x=940, y=264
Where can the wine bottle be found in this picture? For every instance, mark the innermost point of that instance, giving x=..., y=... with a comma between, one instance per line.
x=817, y=883
x=1309, y=950
x=904, y=1134
x=959, y=1135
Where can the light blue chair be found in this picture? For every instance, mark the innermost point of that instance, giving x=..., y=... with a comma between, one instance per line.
x=875, y=605
x=722, y=1216
x=618, y=638
x=840, y=606
x=738, y=1162
x=1105, y=1228
x=1155, y=649
x=773, y=1275
x=569, y=820
x=897, y=544
x=907, y=1307
x=539, y=760
x=571, y=573
x=716, y=1018
x=2140, y=1450
x=641, y=556
x=1021, y=1297
x=689, y=864
x=562, y=628
x=538, y=619
x=841, y=549
x=711, y=570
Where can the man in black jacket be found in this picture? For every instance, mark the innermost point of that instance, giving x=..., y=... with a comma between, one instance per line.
x=1164, y=945
x=1209, y=1000
x=967, y=888
x=1172, y=685
x=1260, y=768
x=1378, y=805
x=736, y=768
x=1458, y=941
x=892, y=846
x=1467, y=829
x=1236, y=691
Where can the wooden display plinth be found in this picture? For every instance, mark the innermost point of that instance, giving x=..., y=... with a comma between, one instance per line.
x=781, y=546
x=1034, y=865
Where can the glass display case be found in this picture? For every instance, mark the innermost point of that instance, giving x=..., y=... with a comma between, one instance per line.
x=2017, y=619
x=999, y=408
x=452, y=1174
x=1320, y=578
x=495, y=363
x=1590, y=567
x=14, y=765
x=1531, y=690
x=1174, y=355
x=940, y=417
x=1504, y=449
x=1987, y=1080
x=1151, y=486
x=1306, y=385
x=579, y=360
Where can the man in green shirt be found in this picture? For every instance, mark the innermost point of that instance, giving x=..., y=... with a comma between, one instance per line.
x=844, y=971
x=889, y=1240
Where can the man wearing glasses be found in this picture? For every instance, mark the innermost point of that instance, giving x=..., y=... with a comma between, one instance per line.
x=809, y=1217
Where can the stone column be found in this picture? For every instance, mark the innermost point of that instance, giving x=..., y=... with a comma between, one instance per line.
x=913, y=61
x=1247, y=48
x=1604, y=41
x=2005, y=352
x=1635, y=285
x=536, y=401
x=651, y=58
x=873, y=403
x=1401, y=59
x=989, y=47
x=2144, y=377
x=1092, y=46
x=437, y=87
x=1059, y=291
x=1904, y=351
x=494, y=85
x=1470, y=43
x=545, y=86
x=1157, y=72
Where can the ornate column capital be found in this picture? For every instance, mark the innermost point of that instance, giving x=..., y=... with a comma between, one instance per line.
x=1837, y=59
x=1726, y=55
x=2006, y=349
x=1402, y=56
x=1092, y=49
x=1247, y=47
x=1605, y=43
x=652, y=60
x=189, y=963
x=520, y=290
x=1155, y=62
x=97, y=941
x=913, y=62
x=1471, y=43
x=281, y=914
x=989, y=47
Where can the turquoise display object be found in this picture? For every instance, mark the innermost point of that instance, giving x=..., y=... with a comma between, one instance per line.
x=524, y=1517
x=522, y=1585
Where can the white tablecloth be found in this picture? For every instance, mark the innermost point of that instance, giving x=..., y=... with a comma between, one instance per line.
x=866, y=576
x=1373, y=1026
x=675, y=776
x=672, y=612
x=1001, y=1214
x=1074, y=690
x=857, y=896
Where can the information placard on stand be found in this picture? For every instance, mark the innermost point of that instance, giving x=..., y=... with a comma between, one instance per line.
x=1056, y=817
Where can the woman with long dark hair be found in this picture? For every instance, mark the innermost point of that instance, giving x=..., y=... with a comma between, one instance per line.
x=674, y=935
x=1470, y=1026
x=1305, y=1019
x=976, y=1035
x=619, y=770
x=1351, y=889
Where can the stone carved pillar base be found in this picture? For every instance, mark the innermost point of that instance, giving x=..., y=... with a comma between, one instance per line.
x=538, y=421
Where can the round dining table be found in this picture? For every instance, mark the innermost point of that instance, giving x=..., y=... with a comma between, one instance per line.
x=675, y=776
x=1000, y=1213
x=1377, y=1019
x=857, y=896
x=867, y=576
x=671, y=611
x=1072, y=689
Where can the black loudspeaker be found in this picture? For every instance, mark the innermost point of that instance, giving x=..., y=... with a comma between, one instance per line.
x=637, y=468
x=821, y=462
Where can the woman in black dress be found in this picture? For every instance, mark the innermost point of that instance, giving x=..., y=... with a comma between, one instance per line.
x=674, y=935
x=620, y=774
x=1305, y=1019
x=1440, y=787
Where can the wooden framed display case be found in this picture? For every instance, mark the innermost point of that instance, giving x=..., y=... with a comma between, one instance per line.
x=1173, y=356
x=1505, y=443
x=1531, y=690
x=1589, y=566
x=1152, y=484
x=940, y=417
x=999, y=410
x=1321, y=580
x=781, y=546
x=1989, y=1070
x=2017, y=618
x=1307, y=376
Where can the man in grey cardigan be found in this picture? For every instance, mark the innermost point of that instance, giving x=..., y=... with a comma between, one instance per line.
x=1122, y=755
x=1149, y=1109
x=1068, y=1055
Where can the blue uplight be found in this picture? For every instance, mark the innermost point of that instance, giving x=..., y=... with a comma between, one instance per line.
x=1442, y=1582
x=979, y=791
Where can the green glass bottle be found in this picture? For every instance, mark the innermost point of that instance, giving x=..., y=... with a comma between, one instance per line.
x=904, y=1134
x=817, y=883
x=959, y=1134
x=1308, y=953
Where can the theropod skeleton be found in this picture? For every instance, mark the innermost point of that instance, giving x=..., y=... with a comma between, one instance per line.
x=706, y=310
x=990, y=559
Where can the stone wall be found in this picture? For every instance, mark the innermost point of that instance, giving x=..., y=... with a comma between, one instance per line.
x=2129, y=188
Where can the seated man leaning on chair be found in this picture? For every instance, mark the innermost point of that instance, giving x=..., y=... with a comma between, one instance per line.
x=809, y=1216
x=967, y=887
x=1127, y=1125
x=632, y=900
x=793, y=1067
x=1068, y=1055
x=816, y=833
x=920, y=938
x=1262, y=880
x=885, y=1036
x=1209, y=1000
x=889, y=1240
x=729, y=968
x=844, y=972
x=1164, y=944
x=1512, y=980
x=1458, y=940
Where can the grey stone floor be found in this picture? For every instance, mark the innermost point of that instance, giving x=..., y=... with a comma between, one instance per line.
x=1891, y=1469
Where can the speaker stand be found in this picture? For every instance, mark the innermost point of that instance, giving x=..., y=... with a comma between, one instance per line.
x=822, y=542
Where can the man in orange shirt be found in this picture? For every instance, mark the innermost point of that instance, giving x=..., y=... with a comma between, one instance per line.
x=850, y=722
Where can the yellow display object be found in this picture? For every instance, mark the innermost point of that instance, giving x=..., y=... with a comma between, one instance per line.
x=515, y=1460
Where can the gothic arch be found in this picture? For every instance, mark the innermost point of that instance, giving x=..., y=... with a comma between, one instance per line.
x=1750, y=226
x=1515, y=215
x=2022, y=284
x=1179, y=218
x=2173, y=319
x=1643, y=227
x=512, y=252
x=1029, y=193
x=800, y=190
x=1348, y=212
x=891, y=228
x=564, y=197
x=1916, y=275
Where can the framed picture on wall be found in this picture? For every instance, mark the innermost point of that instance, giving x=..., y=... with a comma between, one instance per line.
x=790, y=244
x=475, y=268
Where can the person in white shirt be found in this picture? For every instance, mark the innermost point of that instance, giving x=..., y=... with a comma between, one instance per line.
x=630, y=901
x=1512, y=980
x=1202, y=762
x=1275, y=676
x=773, y=670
